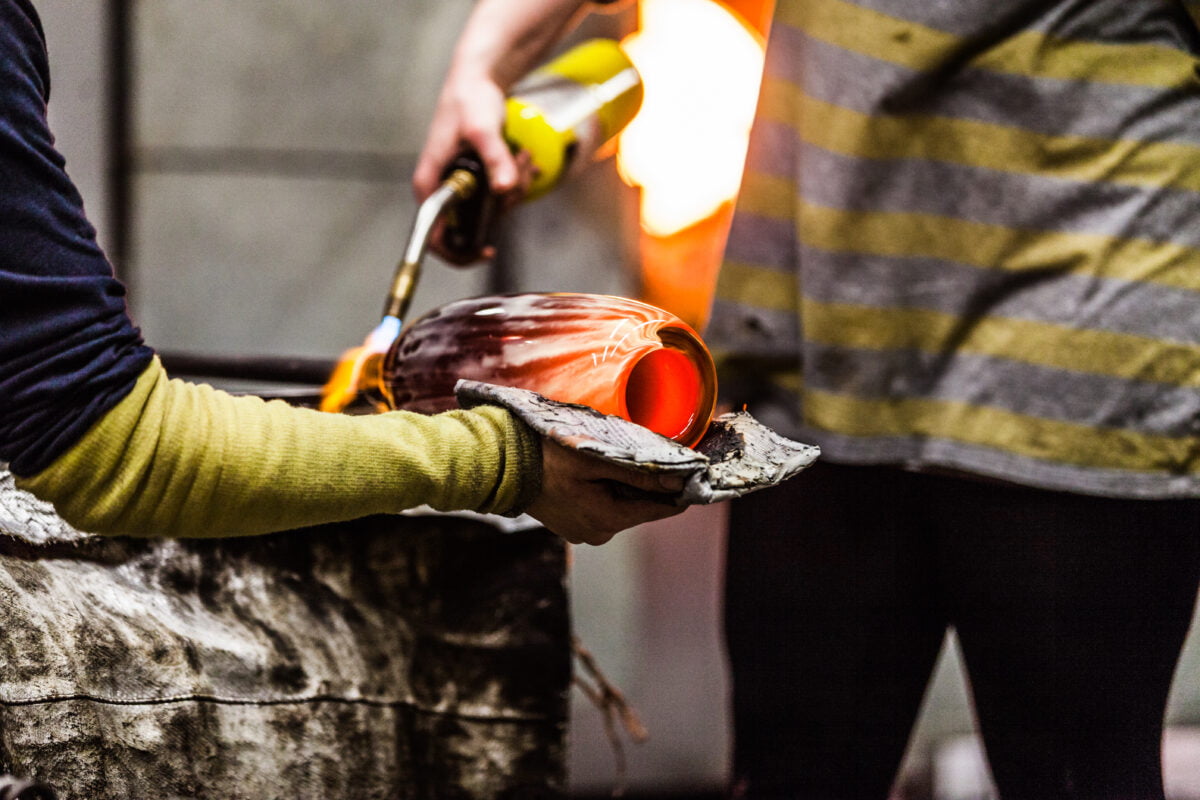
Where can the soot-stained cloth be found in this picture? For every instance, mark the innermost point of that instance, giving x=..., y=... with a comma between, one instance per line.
x=68, y=350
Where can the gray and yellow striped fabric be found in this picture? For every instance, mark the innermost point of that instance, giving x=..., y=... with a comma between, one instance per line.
x=969, y=238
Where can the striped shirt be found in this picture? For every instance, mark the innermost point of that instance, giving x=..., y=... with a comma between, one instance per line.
x=968, y=237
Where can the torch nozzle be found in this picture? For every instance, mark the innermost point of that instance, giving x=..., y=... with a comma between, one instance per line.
x=458, y=186
x=357, y=372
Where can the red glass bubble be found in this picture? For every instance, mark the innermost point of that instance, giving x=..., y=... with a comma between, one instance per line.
x=619, y=356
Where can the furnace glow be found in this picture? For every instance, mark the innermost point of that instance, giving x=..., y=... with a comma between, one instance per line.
x=701, y=67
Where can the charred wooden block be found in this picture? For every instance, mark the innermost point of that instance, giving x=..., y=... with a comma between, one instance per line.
x=390, y=657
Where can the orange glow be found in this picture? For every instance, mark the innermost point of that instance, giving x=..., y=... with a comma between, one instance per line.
x=679, y=272
x=700, y=66
x=663, y=393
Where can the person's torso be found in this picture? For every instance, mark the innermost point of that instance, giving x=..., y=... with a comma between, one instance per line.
x=969, y=237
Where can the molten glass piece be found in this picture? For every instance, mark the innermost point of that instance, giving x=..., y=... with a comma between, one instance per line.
x=619, y=356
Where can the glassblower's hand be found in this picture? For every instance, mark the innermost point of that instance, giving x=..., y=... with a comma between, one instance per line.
x=470, y=117
x=588, y=500
x=501, y=43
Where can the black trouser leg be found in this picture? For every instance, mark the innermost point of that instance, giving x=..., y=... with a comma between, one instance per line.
x=832, y=628
x=1071, y=612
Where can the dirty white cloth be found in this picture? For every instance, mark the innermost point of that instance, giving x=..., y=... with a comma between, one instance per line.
x=29, y=519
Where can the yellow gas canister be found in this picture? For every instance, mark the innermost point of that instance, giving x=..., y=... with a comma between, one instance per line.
x=566, y=112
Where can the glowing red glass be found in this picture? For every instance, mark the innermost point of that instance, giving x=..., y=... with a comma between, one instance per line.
x=619, y=356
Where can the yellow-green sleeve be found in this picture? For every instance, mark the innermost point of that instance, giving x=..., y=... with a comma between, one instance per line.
x=186, y=460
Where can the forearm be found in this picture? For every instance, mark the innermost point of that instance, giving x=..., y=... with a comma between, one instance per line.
x=181, y=459
x=504, y=39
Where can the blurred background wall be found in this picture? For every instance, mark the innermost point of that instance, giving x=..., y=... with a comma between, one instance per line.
x=247, y=167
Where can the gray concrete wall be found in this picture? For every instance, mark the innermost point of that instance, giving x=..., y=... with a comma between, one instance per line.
x=273, y=147
x=271, y=144
x=77, y=42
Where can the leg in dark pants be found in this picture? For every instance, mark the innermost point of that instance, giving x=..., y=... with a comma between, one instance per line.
x=832, y=627
x=1071, y=612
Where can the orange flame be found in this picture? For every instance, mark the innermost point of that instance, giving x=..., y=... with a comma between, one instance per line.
x=700, y=66
x=342, y=387
x=358, y=374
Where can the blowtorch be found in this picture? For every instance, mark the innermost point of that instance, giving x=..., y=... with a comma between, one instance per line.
x=564, y=115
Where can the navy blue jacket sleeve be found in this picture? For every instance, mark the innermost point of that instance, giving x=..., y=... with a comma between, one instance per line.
x=68, y=350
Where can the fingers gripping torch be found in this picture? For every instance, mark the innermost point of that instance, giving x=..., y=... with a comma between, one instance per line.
x=564, y=115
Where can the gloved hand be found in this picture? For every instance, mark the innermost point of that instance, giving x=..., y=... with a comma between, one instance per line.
x=737, y=455
x=588, y=500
